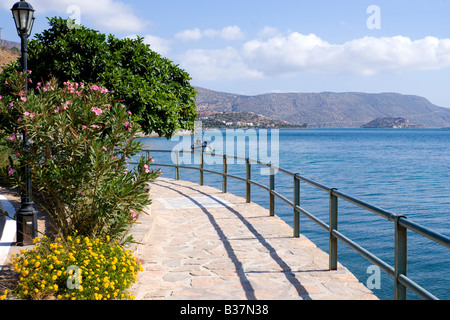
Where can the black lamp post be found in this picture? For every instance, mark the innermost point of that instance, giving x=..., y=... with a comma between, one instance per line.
x=26, y=216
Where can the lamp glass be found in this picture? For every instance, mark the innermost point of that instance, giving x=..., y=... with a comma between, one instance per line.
x=23, y=17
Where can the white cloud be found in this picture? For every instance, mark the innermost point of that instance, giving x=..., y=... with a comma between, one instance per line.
x=268, y=32
x=157, y=44
x=110, y=14
x=231, y=33
x=224, y=64
x=227, y=33
x=189, y=35
x=295, y=53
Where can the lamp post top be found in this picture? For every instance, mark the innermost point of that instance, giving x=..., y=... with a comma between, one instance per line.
x=22, y=5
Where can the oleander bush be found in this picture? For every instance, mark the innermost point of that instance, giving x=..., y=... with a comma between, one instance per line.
x=81, y=141
x=75, y=268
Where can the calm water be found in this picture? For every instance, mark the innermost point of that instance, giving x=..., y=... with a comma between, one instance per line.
x=403, y=171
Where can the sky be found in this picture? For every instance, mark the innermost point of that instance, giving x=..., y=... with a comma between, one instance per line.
x=260, y=46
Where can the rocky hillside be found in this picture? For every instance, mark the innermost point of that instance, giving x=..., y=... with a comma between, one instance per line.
x=8, y=52
x=327, y=109
x=231, y=119
x=392, y=123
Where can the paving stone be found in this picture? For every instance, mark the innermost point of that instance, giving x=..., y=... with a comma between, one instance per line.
x=198, y=249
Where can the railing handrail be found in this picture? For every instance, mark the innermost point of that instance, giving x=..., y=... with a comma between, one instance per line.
x=398, y=272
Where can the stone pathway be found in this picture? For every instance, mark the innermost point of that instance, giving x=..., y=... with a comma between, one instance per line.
x=198, y=243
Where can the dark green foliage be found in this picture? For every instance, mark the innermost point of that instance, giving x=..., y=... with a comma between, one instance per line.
x=156, y=90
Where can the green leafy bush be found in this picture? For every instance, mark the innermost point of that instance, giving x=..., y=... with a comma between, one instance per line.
x=81, y=142
x=156, y=90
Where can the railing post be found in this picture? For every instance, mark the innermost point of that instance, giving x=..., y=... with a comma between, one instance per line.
x=225, y=172
x=201, y=168
x=333, y=243
x=247, y=179
x=400, y=258
x=272, y=188
x=296, y=204
x=177, y=170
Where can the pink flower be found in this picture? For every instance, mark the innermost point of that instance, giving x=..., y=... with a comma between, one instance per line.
x=104, y=90
x=151, y=159
x=11, y=104
x=104, y=148
x=1, y=97
x=29, y=71
x=133, y=214
x=57, y=110
x=95, y=87
x=97, y=111
x=12, y=137
x=32, y=115
x=23, y=99
x=19, y=120
x=129, y=112
x=26, y=113
x=10, y=171
x=84, y=127
x=146, y=168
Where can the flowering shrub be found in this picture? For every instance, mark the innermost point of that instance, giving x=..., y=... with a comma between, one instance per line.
x=79, y=268
x=81, y=142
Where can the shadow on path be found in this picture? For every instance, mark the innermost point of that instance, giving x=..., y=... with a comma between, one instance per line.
x=250, y=294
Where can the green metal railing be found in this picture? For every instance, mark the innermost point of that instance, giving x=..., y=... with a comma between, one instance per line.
x=401, y=223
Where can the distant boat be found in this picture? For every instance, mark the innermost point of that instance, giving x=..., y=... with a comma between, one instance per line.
x=202, y=146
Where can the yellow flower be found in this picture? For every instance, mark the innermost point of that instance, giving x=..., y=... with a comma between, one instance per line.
x=3, y=297
x=37, y=264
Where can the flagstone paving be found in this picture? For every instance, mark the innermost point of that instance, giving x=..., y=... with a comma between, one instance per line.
x=198, y=243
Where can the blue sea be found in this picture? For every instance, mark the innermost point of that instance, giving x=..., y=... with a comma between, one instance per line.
x=404, y=171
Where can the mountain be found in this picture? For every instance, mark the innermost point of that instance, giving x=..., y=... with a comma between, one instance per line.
x=328, y=109
x=9, y=44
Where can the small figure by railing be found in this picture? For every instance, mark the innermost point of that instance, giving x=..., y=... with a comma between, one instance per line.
x=402, y=224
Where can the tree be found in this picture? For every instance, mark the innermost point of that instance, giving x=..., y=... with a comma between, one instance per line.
x=154, y=89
